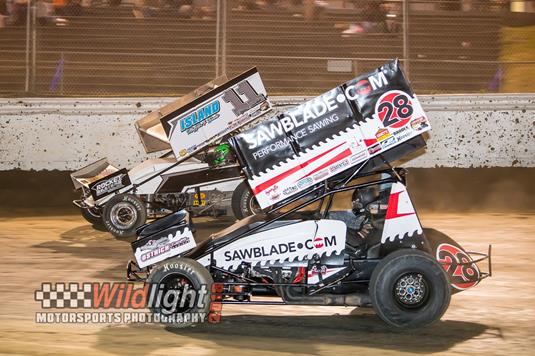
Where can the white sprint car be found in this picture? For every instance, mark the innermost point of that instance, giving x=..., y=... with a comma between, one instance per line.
x=198, y=173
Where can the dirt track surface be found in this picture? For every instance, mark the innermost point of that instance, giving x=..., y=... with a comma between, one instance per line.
x=496, y=317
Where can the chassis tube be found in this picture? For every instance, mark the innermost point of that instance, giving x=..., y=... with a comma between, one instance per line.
x=352, y=299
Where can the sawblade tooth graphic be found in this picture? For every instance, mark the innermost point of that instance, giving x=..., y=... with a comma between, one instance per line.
x=406, y=234
x=289, y=259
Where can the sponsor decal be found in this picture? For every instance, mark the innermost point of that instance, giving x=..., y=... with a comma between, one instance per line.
x=305, y=182
x=403, y=138
x=109, y=184
x=339, y=166
x=456, y=263
x=296, y=242
x=273, y=192
x=315, y=272
x=382, y=134
x=279, y=249
x=201, y=202
x=365, y=86
x=198, y=117
x=388, y=142
x=358, y=157
x=419, y=123
x=320, y=175
x=154, y=244
x=289, y=122
x=183, y=152
x=318, y=242
x=162, y=247
x=402, y=133
x=374, y=149
x=290, y=190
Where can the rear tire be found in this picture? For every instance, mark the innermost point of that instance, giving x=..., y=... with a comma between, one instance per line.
x=243, y=202
x=123, y=214
x=172, y=274
x=409, y=289
x=93, y=216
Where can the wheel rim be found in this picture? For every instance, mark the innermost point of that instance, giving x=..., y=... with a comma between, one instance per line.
x=178, y=282
x=411, y=290
x=123, y=215
x=254, y=207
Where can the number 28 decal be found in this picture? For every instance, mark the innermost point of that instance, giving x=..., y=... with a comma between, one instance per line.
x=456, y=263
x=394, y=108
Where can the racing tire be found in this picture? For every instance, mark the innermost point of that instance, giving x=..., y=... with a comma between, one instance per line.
x=123, y=214
x=176, y=273
x=93, y=216
x=243, y=202
x=409, y=289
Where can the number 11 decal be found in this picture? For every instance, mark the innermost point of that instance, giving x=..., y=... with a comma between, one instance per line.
x=239, y=106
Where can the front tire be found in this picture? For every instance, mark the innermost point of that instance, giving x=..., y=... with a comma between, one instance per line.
x=409, y=289
x=243, y=202
x=175, y=274
x=123, y=214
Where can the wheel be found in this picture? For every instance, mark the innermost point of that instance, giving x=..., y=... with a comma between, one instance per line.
x=409, y=289
x=123, y=214
x=93, y=216
x=243, y=202
x=182, y=275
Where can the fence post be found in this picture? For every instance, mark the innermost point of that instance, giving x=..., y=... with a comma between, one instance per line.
x=28, y=17
x=224, y=35
x=34, y=46
x=217, y=36
x=406, y=54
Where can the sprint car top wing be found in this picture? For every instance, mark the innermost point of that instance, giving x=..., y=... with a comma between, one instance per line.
x=329, y=134
x=150, y=129
x=205, y=115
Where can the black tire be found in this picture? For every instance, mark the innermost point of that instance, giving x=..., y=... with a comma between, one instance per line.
x=243, y=202
x=123, y=214
x=171, y=273
x=93, y=216
x=405, y=304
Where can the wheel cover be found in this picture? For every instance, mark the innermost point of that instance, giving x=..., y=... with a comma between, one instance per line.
x=123, y=215
x=411, y=290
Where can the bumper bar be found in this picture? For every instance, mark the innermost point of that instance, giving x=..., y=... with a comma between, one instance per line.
x=475, y=258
